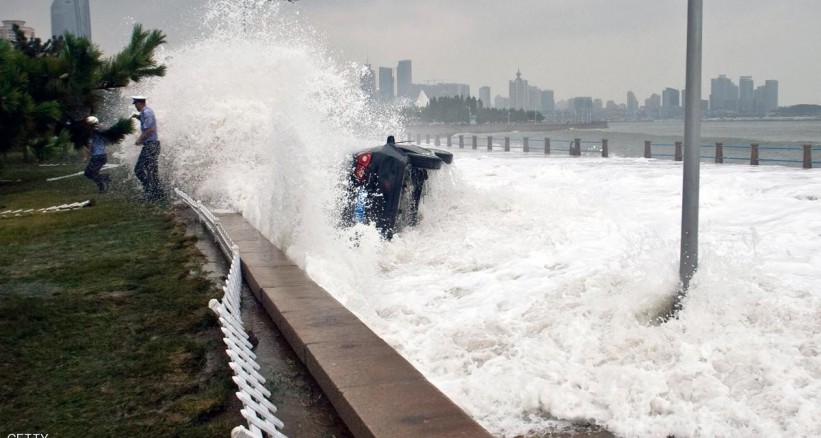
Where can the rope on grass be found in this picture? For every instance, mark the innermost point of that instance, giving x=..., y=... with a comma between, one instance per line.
x=63, y=207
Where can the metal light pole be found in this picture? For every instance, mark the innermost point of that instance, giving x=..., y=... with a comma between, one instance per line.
x=692, y=152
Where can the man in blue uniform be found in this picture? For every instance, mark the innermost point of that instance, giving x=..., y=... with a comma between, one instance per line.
x=97, y=144
x=146, y=169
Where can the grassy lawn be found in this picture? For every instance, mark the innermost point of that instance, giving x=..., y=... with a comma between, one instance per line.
x=104, y=323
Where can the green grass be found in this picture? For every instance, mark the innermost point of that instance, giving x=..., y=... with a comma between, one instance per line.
x=104, y=324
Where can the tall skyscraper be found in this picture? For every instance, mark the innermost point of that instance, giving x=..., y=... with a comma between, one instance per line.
x=746, y=95
x=518, y=92
x=386, y=84
x=632, y=105
x=723, y=95
x=766, y=97
x=404, y=79
x=72, y=16
x=484, y=96
x=548, y=101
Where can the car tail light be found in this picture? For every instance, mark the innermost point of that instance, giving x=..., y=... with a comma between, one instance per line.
x=362, y=163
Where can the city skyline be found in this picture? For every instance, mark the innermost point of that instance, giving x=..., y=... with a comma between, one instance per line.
x=594, y=48
x=722, y=98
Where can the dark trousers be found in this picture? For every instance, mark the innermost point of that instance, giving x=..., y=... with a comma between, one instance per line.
x=92, y=171
x=147, y=172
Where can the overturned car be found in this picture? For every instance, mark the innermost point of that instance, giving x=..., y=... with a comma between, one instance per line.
x=386, y=183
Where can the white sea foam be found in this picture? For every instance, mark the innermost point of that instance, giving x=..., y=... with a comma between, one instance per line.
x=527, y=291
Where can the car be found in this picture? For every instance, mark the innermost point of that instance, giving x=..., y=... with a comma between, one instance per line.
x=386, y=183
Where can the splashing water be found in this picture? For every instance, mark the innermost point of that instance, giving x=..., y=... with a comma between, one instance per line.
x=524, y=293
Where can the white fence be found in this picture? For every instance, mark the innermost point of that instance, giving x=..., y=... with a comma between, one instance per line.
x=257, y=410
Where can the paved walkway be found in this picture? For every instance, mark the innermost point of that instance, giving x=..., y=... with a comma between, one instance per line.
x=375, y=391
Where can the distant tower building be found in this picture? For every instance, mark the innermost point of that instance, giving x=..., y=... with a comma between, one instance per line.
x=518, y=92
x=723, y=95
x=7, y=31
x=766, y=97
x=632, y=105
x=548, y=102
x=670, y=103
x=500, y=102
x=72, y=16
x=534, y=98
x=367, y=81
x=404, y=79
x=386, y=84
x=746, y=95
x=581, y=109
x=652, y=106
x=484, y=96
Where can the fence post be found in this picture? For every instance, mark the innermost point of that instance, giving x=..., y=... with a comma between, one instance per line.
x=547, y=145
x=461, y=142
x=436, y=140
x=604, y=148
x=678, y=151
x=490, y=142
x=577, y=150
x=427, y=138
x=474, y=143
x=418, y=138
x=507, y=144
x=525, y=144
x=450, y=140
x=647, y=153
x=754, y=154
x=807, y=156
x=719, y=153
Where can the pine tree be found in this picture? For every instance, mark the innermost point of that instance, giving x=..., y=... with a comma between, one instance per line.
x=48, y=89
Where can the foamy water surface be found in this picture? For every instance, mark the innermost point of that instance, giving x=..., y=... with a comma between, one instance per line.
x=528, y=290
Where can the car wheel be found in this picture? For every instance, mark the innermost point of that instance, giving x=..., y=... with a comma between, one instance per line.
x=425, y=161
x=445, y=156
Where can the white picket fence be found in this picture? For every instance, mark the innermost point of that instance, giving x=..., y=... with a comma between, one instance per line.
x=257, y=410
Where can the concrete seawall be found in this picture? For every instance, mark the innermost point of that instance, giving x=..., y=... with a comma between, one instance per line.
x=375, y=391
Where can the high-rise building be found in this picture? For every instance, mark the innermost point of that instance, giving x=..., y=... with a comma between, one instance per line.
x=548, y=102
x=632, y=105
x=766, y=97
x=670, y=104
x=7, y=29
x=746, y=95
x=386, y=84
x=72, y=16
x=404, y=79
x=518, y=92
x=484, y=96
x=501, y=102
x=723, y=95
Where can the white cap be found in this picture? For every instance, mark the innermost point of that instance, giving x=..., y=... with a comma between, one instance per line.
x=92, y=120
x=135, y=98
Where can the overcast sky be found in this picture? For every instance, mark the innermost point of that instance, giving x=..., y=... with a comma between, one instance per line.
x=598, y=48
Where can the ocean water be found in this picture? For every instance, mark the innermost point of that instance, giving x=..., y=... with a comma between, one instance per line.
x=780, y=141
x=528, y=291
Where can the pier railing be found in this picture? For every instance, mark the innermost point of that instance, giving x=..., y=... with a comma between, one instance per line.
x=753, y=153
x=257, y=410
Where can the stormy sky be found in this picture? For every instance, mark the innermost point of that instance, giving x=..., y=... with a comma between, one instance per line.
x=598, y=48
